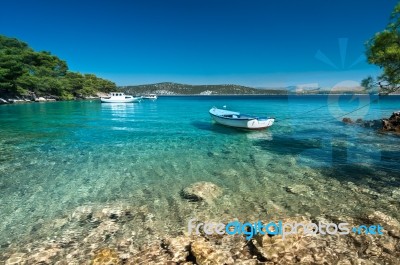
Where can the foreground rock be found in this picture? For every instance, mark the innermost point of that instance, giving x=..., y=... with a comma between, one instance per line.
x=386, y=125
x=391, y=225
x=201, y=191
x=347, y=120
x=106, y=256
x=98, y=237
x=393, y=123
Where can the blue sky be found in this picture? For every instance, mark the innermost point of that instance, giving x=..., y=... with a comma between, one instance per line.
x=256, y=43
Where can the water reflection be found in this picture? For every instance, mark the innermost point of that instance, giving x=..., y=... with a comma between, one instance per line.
x=119, y=110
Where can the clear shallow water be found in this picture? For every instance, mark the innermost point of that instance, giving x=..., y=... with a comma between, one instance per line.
x=55, y=157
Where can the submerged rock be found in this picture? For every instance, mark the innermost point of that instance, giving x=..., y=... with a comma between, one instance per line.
x=106, y=256
x=389, y=224
x=82, y=213
x=112, y=241
x=347, y=120
x=324, y=248
x=151, y=254
x=115, y=213
x=298, y=189
x=43, y=256
x=396, y=194
x=374, y=124
x=201, y=191
x=15, y=259
x=205, y=253
x=178, y=248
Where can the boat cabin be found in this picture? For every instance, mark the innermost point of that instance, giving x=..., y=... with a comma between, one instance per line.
x=117, y=94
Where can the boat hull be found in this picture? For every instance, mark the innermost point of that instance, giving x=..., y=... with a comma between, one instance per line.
x=126, y=100
x=153, y=97
x=244, y=123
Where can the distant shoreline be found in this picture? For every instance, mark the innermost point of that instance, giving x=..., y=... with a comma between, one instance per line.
x=198, y=95
x=263, y=95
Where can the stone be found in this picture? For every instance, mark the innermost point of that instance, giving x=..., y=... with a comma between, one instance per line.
x=43, y=256
x=299, y=189
x=373, y=250
x=347, y=120
x=374, y=124
x=206, y=254
x=111, y=241
x=388, y=244
x=178, y=248
x=60, y=222
x=151, y=254
x=40, y=99
x=393, y=123
x=201, y=191
x=114, y=213
x=396, y=194
x=106, y=256
x=389, y=224
x=82, y=213
x=3, y=101
x=15, y=259
x=106, y=229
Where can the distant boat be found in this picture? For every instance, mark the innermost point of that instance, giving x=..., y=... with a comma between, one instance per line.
x=150, y=96
x=118, y=97
x=238, y=120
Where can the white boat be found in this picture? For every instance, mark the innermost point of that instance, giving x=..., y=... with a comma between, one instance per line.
x=150, y=96
x=238, y=120
x=119, y=97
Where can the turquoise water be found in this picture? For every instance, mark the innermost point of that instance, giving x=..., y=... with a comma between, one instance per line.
x=55, y=157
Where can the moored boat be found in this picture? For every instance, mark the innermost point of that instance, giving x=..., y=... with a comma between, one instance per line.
x=238, y=120
x=119, y=97
x=150, y=96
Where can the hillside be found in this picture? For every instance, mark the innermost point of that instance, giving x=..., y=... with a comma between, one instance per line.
x=29, y=74
x=184, y=89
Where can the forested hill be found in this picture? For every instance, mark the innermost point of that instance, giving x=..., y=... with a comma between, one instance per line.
x=183, y=89
x=28, y=73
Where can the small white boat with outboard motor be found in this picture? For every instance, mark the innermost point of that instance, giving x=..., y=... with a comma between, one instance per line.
x=119, y=97
x=150, y=96
x=238, y=120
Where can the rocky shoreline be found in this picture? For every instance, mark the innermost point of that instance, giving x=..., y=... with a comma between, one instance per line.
x=392, y=124
x=105, y=244
x=100, y=236
x=37, y=99
x=9, y=98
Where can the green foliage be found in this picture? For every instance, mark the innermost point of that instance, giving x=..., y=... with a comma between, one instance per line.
x=23, y=70
x=383, y=50
x=368, y=83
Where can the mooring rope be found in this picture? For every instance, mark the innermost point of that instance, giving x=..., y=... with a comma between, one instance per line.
x=335, y=118
x=304, y=113
x=350, y=112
